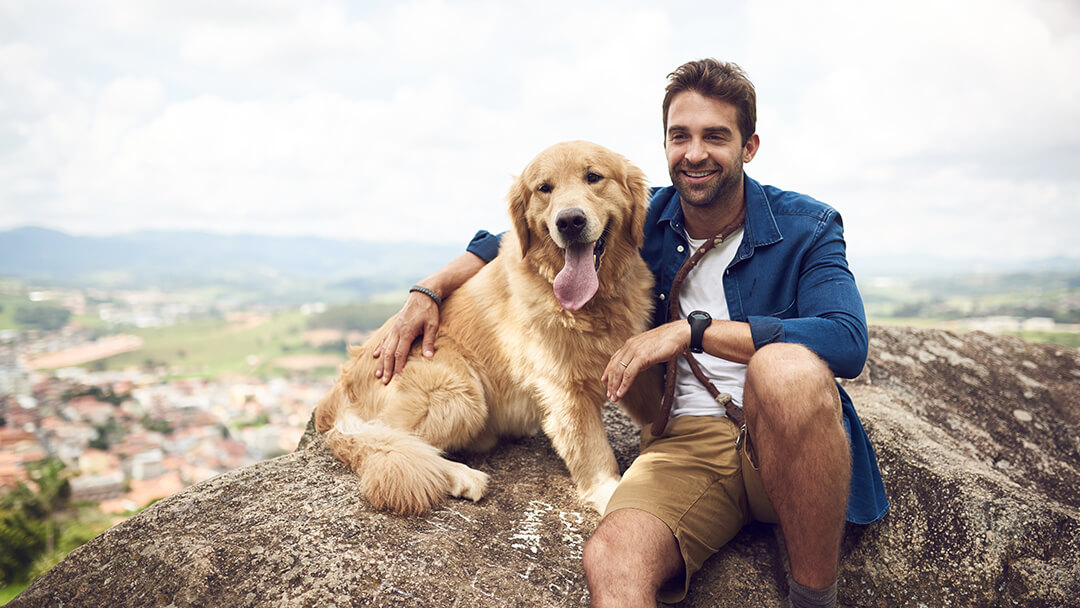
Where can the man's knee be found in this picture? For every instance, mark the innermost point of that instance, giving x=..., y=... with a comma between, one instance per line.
x=789, y=382
x=597, y=553
x=631, y=552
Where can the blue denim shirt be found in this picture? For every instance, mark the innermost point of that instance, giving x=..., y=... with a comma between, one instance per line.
x=790, y=281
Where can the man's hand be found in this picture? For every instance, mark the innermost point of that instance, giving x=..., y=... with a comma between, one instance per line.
x=643, y=351
x=418, y=317
x=729, y=340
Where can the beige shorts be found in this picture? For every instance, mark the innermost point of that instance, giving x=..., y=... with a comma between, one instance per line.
x=695, y=480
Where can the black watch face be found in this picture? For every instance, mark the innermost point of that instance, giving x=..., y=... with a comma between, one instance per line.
x=697, y=315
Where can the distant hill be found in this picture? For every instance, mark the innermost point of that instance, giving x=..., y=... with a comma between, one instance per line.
x=175, y=258
x=907, y=266
x=168, y=257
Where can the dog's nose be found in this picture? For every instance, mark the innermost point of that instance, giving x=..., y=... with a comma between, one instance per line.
x=570, y=222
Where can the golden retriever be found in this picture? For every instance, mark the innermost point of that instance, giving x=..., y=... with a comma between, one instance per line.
x=522, y=345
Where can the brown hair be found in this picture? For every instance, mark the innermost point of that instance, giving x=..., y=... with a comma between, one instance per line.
x=723, y=81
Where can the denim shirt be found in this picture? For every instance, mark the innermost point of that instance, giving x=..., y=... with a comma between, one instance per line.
x=790, y=281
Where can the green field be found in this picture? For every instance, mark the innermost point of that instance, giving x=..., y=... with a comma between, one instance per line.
x=209, y=348
x=8, y=304
x=1069, y=340
x=8, y=592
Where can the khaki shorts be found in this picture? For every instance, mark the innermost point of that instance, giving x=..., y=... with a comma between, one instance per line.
x=695, y=480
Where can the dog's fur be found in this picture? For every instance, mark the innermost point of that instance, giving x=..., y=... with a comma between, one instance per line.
x=508, y=357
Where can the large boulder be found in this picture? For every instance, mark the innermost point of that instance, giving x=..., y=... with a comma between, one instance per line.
x=977, y=437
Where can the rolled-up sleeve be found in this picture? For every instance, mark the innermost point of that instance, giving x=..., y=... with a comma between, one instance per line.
x=484, y=245
x=828, y=317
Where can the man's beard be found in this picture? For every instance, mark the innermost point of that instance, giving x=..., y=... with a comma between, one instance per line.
x=716, y=192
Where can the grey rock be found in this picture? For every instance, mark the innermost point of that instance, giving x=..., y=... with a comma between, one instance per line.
x=985, y=511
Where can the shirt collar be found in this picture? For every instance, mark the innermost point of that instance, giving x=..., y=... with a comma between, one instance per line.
x=760, y=226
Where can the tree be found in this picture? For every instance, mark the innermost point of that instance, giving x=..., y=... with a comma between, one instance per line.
x=22, y=539
x=44, y=317
x=52, y=495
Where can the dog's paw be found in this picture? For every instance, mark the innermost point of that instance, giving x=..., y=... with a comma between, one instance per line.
x=467, y=483
x=599, y=494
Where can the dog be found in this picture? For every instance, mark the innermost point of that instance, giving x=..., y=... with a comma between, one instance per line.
x=521, y=345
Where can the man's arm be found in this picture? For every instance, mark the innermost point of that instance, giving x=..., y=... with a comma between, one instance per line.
x=419, y=316
x=830, y=319
x=729, y=340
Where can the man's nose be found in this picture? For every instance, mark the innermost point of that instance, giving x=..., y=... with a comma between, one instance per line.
x=696, y=151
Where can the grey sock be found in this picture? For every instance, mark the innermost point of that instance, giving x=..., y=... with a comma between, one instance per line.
x=805, y=597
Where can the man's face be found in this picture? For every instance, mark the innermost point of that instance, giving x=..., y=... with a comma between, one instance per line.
x=704, y=149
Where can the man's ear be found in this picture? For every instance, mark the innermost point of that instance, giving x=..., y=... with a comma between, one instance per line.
x=751, y=148
x=519, y=201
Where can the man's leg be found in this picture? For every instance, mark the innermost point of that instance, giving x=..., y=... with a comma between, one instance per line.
x=628, y=558
x=794, y=420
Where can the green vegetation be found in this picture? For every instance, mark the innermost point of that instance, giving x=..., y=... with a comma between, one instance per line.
x=39, y=526
x=1051, y=295
x=8, y=304
x=211, y=347
x=8, y=593
x=46, y=317
x=365, y=316
x=1061, y=338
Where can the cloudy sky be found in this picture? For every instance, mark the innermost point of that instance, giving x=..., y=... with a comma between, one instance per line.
x=935, y=126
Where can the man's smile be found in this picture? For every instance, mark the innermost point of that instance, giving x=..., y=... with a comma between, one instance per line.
x=699, y=175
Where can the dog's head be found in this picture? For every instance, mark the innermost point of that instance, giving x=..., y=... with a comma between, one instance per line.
x=576, y=205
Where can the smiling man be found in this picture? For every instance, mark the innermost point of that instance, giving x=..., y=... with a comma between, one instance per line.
x=756, y=315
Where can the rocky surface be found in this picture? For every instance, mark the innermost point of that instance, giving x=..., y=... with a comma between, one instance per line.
x=977, y=436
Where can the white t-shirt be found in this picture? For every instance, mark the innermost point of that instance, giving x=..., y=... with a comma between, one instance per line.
x=703, y=289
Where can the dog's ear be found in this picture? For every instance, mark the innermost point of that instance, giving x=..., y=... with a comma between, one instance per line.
x=638, y=190
x=519, y=202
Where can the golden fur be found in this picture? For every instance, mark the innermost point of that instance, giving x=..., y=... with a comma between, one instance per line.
x=508, y=357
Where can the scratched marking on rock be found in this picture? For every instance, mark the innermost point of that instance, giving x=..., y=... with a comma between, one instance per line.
x=572, y=532
x=528, y=534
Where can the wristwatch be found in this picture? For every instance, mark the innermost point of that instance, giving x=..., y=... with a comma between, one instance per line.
x=699, y=320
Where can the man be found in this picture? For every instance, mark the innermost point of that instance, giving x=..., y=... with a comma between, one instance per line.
x=786, y=318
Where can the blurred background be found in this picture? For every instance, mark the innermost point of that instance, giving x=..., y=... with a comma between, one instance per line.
x=203, y=202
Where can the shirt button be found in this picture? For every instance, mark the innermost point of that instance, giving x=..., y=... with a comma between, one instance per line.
x=662, y=297
x=680, y=249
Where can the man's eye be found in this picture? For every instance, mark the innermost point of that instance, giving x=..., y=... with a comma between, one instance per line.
x=593, y=177
x=545, y=188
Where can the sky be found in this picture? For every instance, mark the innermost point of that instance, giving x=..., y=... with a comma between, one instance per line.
x=936, y=127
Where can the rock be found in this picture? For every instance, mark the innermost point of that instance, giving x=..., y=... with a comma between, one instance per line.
x=964, y=529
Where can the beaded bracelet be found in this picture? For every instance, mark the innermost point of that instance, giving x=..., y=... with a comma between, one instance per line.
x=427, y=292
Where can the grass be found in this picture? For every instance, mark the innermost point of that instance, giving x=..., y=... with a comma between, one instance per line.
x=8, y=592
x=1060, y=338
x=8, y=304
x=210, y=348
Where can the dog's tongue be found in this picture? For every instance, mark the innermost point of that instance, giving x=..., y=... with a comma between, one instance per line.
x=576, y=283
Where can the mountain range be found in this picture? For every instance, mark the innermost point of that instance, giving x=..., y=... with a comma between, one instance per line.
x=187, y=258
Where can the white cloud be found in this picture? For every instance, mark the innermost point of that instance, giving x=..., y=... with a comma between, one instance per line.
x=932, y=126
x=317, y=30
x=928, y=124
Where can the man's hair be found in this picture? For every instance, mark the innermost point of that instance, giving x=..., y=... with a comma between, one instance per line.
x=723, y=81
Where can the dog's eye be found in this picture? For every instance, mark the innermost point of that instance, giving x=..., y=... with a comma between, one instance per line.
x=545, y=188
x=592, y=177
